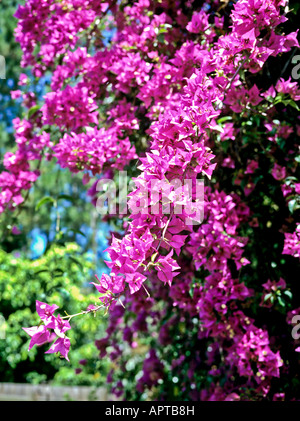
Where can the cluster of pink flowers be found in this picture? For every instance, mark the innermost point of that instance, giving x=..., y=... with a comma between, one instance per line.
x=292, y=243
x=42, y=333
x=93, y=150
x=59, y=108
x=17, y=175
x=159, y=92
x=253, y=348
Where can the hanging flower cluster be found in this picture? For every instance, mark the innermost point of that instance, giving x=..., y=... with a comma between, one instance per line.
x=172, y=91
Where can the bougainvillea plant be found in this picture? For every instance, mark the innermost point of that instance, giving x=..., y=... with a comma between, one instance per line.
x=202, y=289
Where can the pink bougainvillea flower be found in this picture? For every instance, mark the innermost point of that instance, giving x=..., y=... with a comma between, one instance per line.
x=91, y=307
x=199, y=23
x=292, y=243
x=135, y=281
x=59, y=325
x=249, y=187
x=16, y=94
x=45, y=311
x=109, y=284
x=61, y=345
x=251, y=166
x=278, y=172
x=165, y=268
x=23, y=79
x=273, y=285
x=15, y=230
x=39, y=335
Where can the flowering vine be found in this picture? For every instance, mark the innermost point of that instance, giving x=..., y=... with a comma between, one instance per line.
x=171, y=96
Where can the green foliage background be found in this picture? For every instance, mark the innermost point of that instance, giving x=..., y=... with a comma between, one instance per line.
x=57, y=277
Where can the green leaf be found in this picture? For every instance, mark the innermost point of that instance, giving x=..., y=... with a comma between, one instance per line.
x=294, y=10
x=281, y=143
x=281, y=302
x=46, y=199
x=289, y=294
x=76, y=261
x=225, y=145
x=59, y=270
x=41, y=271
x=293, y=104
x=223, y=119
x=267, y=296
x=66, y=197
x=65, y=293
x=279, y=98
x=292, y=205
x=33, y=110
x=78, y=232
x=161, y=38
